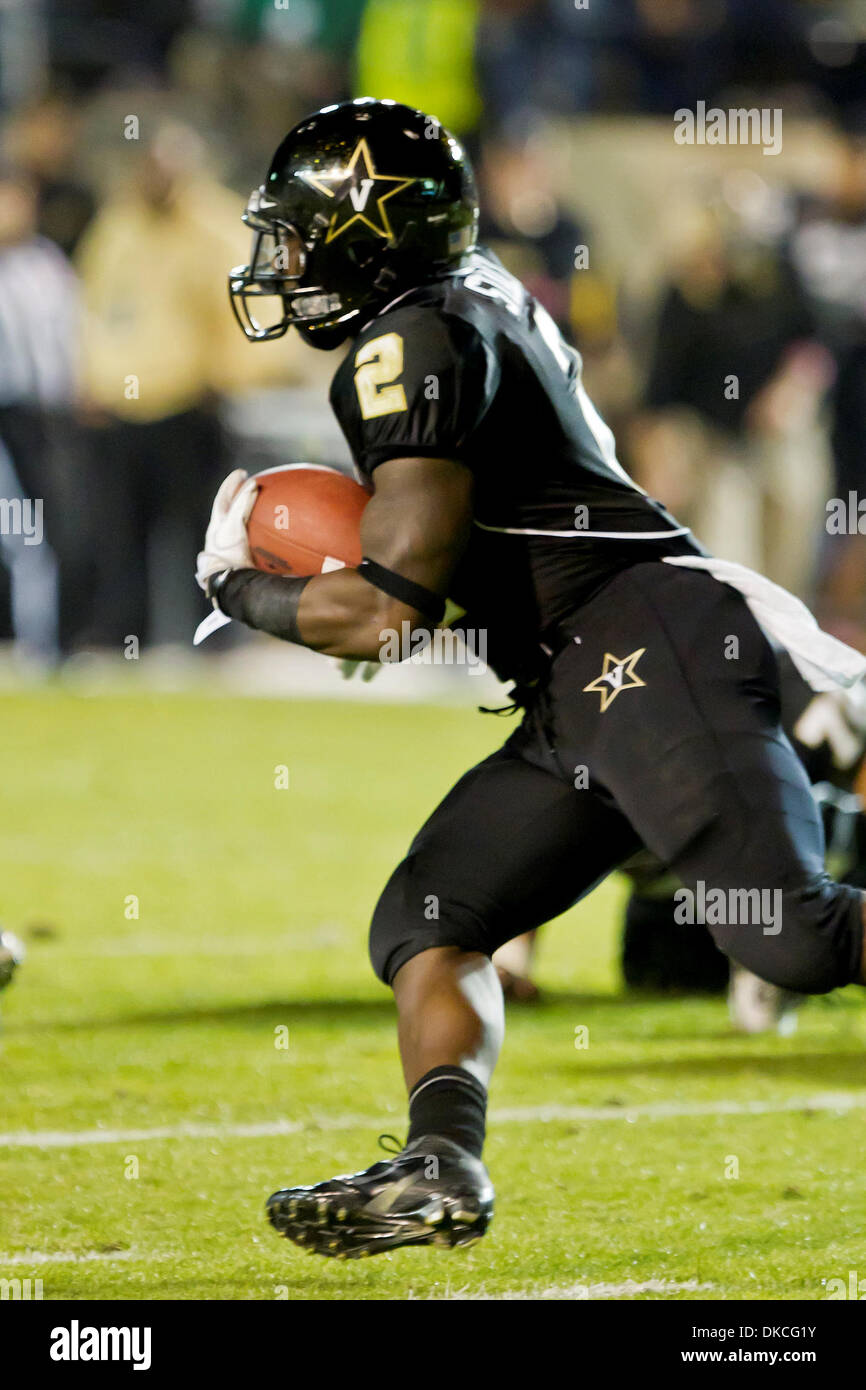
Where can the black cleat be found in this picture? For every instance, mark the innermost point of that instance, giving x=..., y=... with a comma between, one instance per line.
x=432, y=1193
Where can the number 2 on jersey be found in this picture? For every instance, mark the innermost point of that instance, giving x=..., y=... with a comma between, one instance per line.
x=377, y=366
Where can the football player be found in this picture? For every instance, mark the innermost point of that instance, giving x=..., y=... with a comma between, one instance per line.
x=650, y=690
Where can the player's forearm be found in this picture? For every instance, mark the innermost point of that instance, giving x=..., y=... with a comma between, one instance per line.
x=339, y=614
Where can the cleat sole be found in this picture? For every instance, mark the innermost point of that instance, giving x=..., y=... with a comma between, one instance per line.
x=332, y=1231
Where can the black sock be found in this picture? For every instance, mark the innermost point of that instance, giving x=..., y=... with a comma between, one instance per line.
x=451, y=1102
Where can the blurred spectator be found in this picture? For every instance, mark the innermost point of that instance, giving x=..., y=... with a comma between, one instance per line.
x=41, y=139
x=525, y=224
x=422, y=54
x=829, y=250
x=160, y=349
x=324, y=27
x=38, y=341
x=680, y=51
x=553, y=57
x=256, y=67
x=22, y=51
x=729, y=439
x=543, y=57
x=89, y=41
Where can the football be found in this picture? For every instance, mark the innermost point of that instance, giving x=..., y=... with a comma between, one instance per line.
x=306, y=520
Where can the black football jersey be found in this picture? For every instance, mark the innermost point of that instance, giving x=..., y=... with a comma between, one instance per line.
x=472, y=367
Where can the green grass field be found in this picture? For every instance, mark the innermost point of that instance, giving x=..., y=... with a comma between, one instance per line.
x=142, y=1087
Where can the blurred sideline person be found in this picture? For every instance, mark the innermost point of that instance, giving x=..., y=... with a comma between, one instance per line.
x=829, y=251
x=534, y=60
x=160, y=349
x=423, y=54
x=43, y=139
x=729, y=436
x=39, y=320
x=536, y=238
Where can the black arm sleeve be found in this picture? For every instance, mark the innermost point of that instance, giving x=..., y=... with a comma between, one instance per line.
x=414, y=595
x=267, y=602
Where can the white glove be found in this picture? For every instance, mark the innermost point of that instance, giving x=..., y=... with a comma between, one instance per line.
x=225, y=544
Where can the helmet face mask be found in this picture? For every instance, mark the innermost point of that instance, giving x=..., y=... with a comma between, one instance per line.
x=273, y=275
x=361, y=200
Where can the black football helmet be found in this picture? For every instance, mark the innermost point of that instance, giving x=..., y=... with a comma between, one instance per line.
x=362, y=200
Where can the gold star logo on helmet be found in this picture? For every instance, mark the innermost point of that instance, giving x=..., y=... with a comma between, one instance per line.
x=360, y=191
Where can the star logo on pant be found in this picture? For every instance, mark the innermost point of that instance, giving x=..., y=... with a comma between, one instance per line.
x=360, y=191
x=617, y=674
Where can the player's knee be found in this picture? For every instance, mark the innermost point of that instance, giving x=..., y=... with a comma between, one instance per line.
x=386, y=939
x=410, y=917
x=808, y=939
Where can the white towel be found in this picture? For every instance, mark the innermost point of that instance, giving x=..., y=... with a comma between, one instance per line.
x=212, y=623
x=823, y=661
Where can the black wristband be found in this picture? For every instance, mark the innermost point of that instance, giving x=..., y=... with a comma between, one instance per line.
x=215, y=585
x=267, y=602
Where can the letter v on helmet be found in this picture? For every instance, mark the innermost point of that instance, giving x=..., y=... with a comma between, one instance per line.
x=360, y=195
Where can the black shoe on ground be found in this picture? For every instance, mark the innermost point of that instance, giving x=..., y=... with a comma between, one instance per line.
x=431, y=1193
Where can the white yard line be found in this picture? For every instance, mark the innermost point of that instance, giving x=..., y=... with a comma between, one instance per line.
x=840, y=1102
x=135, y=950
x=630, y=1288
x=576, y=1291
x=66, y=1257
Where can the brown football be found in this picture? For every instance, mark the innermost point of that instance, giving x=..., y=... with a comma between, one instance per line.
x=306, y=519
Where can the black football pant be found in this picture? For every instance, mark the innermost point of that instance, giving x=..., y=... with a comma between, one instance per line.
x=657, y=725
x=146, y=476
x=41, y=592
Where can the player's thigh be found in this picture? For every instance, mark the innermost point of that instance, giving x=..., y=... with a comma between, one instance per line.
x=695, y=758
x=672, y=697
x=755, y=876
x=510, y=847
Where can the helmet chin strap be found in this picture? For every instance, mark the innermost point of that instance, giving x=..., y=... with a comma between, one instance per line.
x=325, y=338
x=386, y=279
